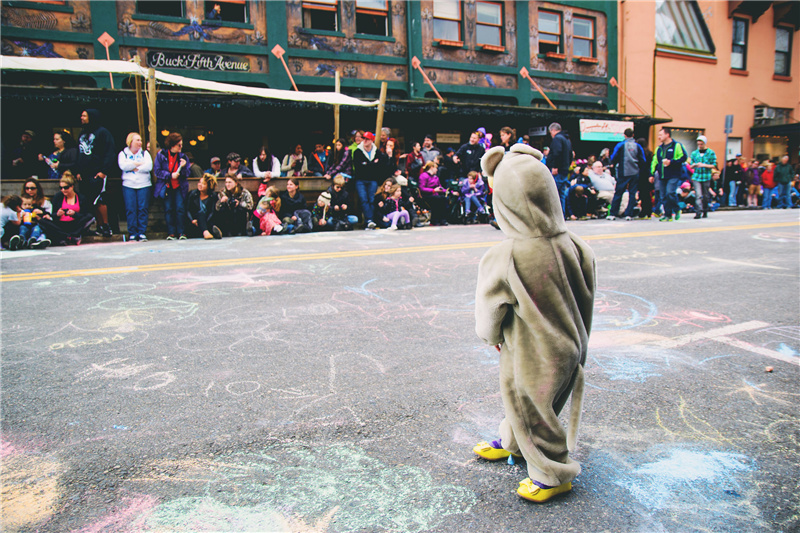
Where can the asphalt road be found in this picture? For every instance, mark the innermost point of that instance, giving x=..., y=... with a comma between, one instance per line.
x=333, y=382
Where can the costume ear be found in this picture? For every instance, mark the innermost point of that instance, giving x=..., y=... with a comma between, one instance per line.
x=525, y=149
x=491, y=159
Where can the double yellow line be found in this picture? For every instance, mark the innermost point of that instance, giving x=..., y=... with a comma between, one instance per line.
x=32, y=276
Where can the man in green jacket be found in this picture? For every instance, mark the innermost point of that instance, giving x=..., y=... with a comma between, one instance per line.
x=783, y=178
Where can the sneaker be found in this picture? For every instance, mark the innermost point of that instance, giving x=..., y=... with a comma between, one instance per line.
x=371, y=224
x=74, y=241
x=182, y=237
x=677, y=215
x=665, y=218
x=40, y=245
x=105, y=230
x=14, y=243
x=536, y=492
x=628, y=219
x=393, y=228
x=132, y=238
x=302, y=228
x=611, y=217
x=142, y=238
x=705, y=215
x=170, y=237
x=697, y=215
x=216, y=232
x=492, y=451
x=494, y=224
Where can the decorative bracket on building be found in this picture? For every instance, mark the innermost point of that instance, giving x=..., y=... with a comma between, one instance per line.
x=525, y=74
x=613, y=82
x=417, y=65
x=278, y=52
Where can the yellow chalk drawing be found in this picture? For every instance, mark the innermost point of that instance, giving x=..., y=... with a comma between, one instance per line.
x=29, y=490
x=757, y=391
x=699, y=429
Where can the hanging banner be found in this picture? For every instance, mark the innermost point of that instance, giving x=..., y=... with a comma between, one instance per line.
x=603, y=130
x=197, y=61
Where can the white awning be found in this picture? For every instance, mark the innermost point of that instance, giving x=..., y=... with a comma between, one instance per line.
x=130, y=68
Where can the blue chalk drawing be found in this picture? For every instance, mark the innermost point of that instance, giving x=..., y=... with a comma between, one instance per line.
x=366, y=292
x=785, y=349
x=616, y=310
x=685, y=472
x=620, y=368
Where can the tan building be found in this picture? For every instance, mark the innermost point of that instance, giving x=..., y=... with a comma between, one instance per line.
x=698, y=61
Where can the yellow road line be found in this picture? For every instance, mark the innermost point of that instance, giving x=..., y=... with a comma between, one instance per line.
x=31, y=276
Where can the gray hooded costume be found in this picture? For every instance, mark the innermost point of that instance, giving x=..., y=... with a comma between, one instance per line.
x=535, y=296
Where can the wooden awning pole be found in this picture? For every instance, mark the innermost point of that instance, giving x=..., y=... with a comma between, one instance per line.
x=151, y=107
x=139, y=99
x=381, y=105
x=336, y=109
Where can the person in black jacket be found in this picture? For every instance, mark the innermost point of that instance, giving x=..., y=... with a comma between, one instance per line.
x=97, y=158
x=558, y=161
x=71, y=216
x=294, y=210
x=645, y=181
x=200, y=209
x=469, y=156
x=370, y=166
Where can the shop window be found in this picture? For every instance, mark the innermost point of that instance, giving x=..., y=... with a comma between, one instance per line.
x=681, y=25
x=447, y=20
x=739, y=50
x=321, y=15
x=372, y=17
x=489, y=27
x=783, y=51
x=229, y=11
x=583, y=37
x=550, y=38
x=167, y=8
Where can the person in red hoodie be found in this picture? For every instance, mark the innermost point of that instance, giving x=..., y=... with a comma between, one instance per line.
x=767, y=184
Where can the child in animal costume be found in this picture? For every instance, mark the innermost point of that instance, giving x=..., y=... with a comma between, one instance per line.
x=534, y=303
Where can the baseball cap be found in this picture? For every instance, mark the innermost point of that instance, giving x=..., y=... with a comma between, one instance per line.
x=369, y=135
x=215, y=159
x=703, y=138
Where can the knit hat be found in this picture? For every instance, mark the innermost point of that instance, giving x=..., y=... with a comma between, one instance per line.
x=703, y=138
x=686, y=185
x=325, y=198
x=401, y=180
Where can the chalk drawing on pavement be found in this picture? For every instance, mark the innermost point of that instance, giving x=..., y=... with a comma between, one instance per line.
x=626, y=368
x=619, y=310
x=691, y=426
x=30, y=487
x=333, y=488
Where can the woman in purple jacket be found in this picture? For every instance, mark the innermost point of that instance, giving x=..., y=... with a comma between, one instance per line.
x=339, y=162
x=433, y=193
x=172, y=184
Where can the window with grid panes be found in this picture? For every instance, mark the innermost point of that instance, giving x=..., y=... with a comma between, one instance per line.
x=739, y=49
x=321, y=15
x=447, y=20
x=783, y=51
x=582, y=37
x=489, y=26
x=550, y=32
x=372, y=17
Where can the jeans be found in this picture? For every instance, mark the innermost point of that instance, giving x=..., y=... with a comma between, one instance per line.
x=732, y=195
x=562, y=183
x=137, y=209
x=784, y=195
x=701, y=196
x=473, y=200
x=30, y=231
x=352, y=219
x=175, y=210
x=366, y=191
x=669, y=191
x=766, y=199
x=631, y=184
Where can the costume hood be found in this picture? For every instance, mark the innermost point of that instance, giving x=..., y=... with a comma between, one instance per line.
x=94, y=120
x=525, y=201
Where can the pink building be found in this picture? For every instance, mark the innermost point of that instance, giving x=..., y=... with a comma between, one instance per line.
x=698, y=61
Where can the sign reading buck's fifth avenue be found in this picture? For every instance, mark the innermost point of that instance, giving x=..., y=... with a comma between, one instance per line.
x=196, y=61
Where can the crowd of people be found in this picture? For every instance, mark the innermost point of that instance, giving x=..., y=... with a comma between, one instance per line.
x=372, y=184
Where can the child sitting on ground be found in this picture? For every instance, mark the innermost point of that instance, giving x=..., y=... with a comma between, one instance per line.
x=474, y=193
x=395, y=211
x=267, y=213
x=319, y=214
x=30, y=234
x=338, y=219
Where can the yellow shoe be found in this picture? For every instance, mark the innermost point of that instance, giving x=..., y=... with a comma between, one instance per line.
x=530, y=491
x=492, y=452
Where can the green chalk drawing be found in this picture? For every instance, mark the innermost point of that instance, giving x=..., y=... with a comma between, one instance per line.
x=339, y=488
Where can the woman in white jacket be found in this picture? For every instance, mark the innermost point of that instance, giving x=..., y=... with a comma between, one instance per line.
x=136, y=165
x=265, y=166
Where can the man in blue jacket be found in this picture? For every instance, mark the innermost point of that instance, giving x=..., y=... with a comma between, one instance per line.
x=628, y=158
x=668, y=162
x=559, y=160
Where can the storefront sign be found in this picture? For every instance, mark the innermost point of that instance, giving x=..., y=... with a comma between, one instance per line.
x=603, y=130
x=539, y=131
x=448, y=138
x=194, y=61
